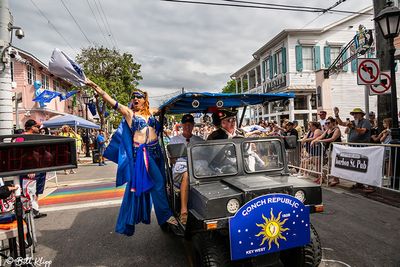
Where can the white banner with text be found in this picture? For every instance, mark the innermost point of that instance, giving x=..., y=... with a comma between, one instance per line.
x=359, y=164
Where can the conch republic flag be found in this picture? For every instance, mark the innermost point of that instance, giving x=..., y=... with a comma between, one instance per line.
x=63, y=66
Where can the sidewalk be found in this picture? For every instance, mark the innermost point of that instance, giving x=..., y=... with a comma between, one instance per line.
x=381, y=194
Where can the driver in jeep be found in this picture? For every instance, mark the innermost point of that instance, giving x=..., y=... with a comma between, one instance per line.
x=225, y=120
x=179, y=170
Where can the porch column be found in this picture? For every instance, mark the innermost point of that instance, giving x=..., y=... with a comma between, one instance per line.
x=309, y=107
x=291, y=109
x=241, y=84
x=237, y=85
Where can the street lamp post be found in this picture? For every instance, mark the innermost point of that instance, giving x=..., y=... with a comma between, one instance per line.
x=86, y=100
x=389, y=23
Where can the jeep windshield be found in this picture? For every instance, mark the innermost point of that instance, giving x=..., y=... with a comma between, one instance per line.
x=263, y=155
x=215, y=160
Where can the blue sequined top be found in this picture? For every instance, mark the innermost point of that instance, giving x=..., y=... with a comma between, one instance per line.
x=139, y=123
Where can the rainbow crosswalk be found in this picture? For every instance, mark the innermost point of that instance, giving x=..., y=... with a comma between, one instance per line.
x=82, y=193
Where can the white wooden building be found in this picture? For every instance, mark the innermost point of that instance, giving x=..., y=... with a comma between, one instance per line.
x=293, y=61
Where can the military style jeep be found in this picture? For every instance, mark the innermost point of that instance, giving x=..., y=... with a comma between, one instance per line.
x=245, y=209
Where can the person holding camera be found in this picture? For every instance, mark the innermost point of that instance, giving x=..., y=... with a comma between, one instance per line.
x=359, y=128
x=359, y=131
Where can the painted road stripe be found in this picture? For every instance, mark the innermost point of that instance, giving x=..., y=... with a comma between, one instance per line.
x=114, y=202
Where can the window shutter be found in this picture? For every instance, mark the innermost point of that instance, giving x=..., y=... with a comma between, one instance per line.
x=346, y=66
x=299, y=58
x=284, y=68
x=354, y=65
x=263, y=69
x=327, y=56
x=271, y=67
x=275, y=64
x=317, y=57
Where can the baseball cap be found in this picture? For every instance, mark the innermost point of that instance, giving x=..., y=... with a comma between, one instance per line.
x=371, y=113
x=321, y=112
x=187, y=118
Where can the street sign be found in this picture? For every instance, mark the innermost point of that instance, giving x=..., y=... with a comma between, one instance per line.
x=368, y=71
x=384, y=87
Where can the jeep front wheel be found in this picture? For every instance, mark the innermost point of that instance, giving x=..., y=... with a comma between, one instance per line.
x=209, y=251
x=309, y=255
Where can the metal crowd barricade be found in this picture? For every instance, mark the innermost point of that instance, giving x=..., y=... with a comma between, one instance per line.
x=391, y=160
x=314, y=161
x=308, y=160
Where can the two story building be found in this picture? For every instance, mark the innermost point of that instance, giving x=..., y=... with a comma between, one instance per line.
x=25, y=70
x=292, y=62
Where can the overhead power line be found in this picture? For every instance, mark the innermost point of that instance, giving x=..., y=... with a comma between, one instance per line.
x=108, y=25
x=76, y=22
x=324, y=12
x=52, y=25
x=259, y=5
x=98, y=24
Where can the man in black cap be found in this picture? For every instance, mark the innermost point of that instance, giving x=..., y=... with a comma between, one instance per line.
x=179, y=170
x=32, y=127
x=226, y=121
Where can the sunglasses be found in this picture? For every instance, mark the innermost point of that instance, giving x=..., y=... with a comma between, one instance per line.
x=137, y=97
x=328, y=122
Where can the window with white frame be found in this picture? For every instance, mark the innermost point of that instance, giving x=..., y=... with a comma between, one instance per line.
x=31, y=74
x=335, y=51
x=279, y=62
x=266, y=68
x=308, y=60
x=45, y=81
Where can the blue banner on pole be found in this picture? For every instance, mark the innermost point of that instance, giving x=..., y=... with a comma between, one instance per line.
x=68, y=95
x=46, y=96
x=268, y=224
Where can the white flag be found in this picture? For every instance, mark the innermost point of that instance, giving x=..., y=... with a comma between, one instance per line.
x=61, y=65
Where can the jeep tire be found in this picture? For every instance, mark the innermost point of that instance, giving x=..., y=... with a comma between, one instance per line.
x=309, y=255
x=210, y=251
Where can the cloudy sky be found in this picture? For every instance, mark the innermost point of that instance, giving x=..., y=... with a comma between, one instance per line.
x=178, y=45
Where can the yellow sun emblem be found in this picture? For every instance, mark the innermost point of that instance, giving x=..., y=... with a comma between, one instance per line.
x=272, y=229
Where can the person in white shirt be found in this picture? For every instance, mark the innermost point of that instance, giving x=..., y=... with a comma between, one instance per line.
x=179, y=170
x=322, y=116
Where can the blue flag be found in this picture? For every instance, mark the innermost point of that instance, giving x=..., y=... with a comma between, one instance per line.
x=46, y=96
x=92, y=108
x=68, y=95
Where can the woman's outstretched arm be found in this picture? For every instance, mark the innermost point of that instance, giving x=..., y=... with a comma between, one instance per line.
x=124, y=110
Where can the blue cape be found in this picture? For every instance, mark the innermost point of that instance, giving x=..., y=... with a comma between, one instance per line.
x=136, y=205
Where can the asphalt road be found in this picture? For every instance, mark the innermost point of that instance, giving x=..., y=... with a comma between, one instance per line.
x=354, y=231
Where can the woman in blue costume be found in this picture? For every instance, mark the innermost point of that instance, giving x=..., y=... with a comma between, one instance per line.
x=135, y=148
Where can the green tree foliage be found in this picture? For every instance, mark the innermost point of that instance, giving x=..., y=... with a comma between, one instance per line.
x=230, y=87
x=116, y=72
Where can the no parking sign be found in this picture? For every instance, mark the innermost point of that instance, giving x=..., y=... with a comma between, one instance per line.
x=384, y=87
x=368, y=72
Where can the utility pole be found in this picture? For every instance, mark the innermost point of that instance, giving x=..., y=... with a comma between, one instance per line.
x=6, y=107
x=382, y=52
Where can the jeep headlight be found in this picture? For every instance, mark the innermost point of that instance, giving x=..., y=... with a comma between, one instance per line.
x=300, y=195
x=233, y=205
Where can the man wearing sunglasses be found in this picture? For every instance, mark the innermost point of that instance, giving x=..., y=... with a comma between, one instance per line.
x=226, y=121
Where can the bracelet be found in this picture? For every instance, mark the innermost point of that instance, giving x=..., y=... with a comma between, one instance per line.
x=115, y=107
